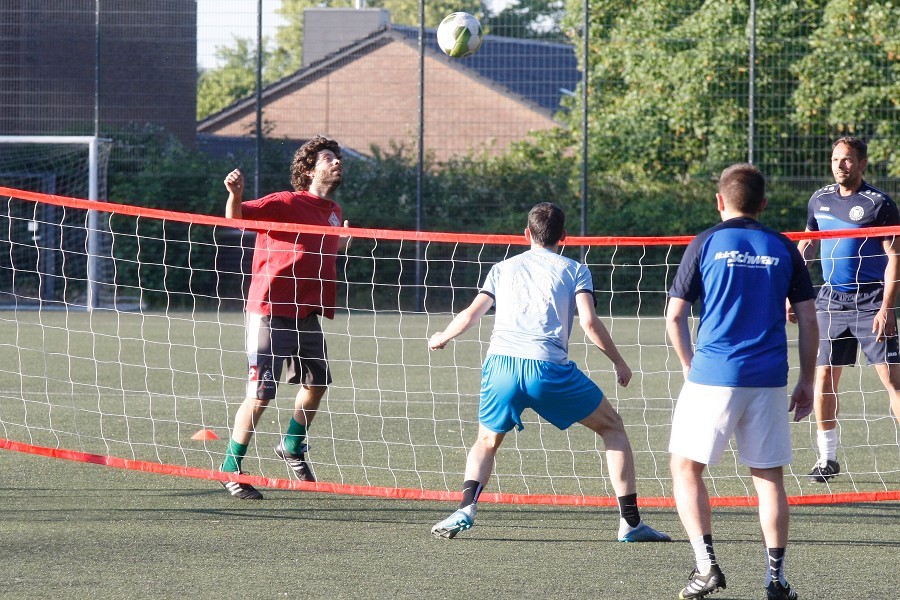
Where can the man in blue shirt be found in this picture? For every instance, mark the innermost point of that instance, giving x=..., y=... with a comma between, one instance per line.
x=536, y=295
x=856, y=304
x=736, y=379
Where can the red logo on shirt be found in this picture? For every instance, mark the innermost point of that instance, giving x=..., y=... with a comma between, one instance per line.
x=254, y=374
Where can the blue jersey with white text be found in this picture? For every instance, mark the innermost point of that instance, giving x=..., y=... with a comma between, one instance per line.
x=743, y=272
x=848, y=263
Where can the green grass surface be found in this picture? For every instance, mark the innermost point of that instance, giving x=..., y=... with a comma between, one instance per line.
x=138, y=386
x=72, y=530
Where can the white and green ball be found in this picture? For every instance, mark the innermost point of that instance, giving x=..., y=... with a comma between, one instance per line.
x=459, y=35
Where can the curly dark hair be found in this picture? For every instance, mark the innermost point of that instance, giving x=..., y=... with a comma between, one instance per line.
x=304, y=162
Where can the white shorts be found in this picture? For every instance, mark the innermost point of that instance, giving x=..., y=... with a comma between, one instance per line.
x=706, y=416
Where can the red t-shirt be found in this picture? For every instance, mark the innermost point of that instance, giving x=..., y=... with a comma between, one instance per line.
x=294, y=274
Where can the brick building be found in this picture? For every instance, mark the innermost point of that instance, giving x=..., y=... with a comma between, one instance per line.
x=365, y=92
x=58, y=69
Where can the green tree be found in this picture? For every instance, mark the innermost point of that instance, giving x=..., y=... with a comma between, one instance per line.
x=667, y=88
x=406, y=12
x=669, y=83
x=172, y=263
x=235, y=79
x=536, y=19
x=849, y=81
x=287, y=56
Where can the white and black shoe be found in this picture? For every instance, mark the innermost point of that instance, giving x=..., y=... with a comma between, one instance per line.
x=297, y=462
x=822, y=472
x=700, y=586
x=242, y=491
x=778, y=591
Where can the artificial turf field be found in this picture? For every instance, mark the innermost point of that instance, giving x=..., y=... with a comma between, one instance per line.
x=74, y=530
x=138, y=385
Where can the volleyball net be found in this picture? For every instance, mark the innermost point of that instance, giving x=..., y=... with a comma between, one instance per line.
x=154, y=385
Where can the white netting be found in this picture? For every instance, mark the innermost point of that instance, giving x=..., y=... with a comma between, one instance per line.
x=54, y=255
x=140, y=384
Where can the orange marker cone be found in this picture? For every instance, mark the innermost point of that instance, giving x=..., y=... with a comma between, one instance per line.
x=205, y=434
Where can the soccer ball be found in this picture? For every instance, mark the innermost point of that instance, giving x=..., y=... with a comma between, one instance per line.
x=459, y=35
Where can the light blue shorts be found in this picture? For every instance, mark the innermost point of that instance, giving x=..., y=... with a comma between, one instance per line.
x=561, y=394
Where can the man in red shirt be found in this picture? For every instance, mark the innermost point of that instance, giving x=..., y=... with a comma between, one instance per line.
x=293, y=282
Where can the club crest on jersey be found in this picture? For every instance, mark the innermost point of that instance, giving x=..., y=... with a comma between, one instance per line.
x=333, y=219
x=857, y=213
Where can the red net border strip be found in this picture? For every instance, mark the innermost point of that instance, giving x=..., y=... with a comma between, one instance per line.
x=413, y=236
x=414, y=494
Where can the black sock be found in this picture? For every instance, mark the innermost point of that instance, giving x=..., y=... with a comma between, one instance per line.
x=471, y=491
x=628, y=508
x=776, y=564
x=707, y=539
